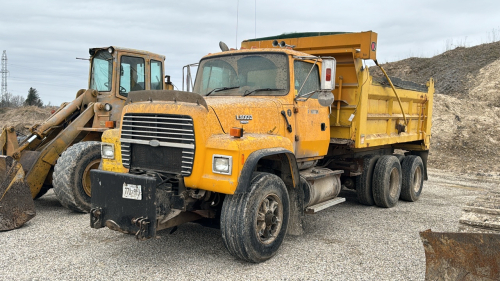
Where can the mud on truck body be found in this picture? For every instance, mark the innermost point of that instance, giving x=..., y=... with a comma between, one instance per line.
x=270, y=132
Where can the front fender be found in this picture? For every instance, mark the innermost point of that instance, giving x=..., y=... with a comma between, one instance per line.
x=290, y=171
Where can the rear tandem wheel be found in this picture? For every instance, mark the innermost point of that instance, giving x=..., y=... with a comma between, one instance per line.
x=413, y=178
x=387, y=181
x=364, y=181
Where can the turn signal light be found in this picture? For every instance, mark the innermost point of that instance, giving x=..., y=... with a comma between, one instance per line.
x=110, y=124
x=236, y=132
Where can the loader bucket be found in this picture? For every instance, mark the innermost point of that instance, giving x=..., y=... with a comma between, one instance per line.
x=16, y=203
x=461, y=256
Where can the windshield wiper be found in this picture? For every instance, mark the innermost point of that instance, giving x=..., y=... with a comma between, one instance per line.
x=263, y=89
x=221, y=89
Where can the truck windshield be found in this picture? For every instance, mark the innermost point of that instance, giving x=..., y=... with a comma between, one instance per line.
x=236, y=75
x=102, y=71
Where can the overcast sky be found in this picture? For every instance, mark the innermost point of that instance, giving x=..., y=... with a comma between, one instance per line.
x=43, y=38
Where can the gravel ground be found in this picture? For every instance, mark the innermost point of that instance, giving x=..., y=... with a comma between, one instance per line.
x=346, y=242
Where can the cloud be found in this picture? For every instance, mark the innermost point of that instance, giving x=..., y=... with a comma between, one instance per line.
x=43, y=39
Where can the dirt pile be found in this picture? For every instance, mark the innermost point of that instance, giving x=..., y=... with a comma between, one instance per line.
x=24, y=117
x=452, y=70
x=466, y=115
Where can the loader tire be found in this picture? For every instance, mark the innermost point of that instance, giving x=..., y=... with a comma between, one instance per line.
x=387, y=181
x=71, y=177
x=412, y=169
x=254, y=224
x=364, y=181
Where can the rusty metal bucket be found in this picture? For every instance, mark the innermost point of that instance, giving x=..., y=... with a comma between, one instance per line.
x=16, y=203
x=461, y=256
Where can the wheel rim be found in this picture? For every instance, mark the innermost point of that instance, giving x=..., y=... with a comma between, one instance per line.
x=86, y=175
x=393, y=184
x=417, y=179
x=269, y=219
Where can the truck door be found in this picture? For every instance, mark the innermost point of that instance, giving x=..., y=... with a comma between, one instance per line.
x=312, y=120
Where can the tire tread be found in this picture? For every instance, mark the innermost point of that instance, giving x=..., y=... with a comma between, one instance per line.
x=408, y=166
x=381, y=179
x=64, y=172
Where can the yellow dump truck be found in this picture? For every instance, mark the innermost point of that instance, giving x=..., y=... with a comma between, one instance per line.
x=270, y=132
x=61, y=151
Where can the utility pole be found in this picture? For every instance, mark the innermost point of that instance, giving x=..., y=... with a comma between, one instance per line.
x=4, y=74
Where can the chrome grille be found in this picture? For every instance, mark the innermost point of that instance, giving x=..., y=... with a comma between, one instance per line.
x=152, y=132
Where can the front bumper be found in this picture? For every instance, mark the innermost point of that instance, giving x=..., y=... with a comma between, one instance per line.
x=134, y=216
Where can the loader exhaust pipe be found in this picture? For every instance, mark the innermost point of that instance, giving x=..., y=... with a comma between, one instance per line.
x=16, y=203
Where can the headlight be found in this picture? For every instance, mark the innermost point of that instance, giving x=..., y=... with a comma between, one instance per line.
x=108, y=151
x=107, y=107
x=222, y=164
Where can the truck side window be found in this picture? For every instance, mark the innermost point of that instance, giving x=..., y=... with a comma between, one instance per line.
x=156, y=76
x=131, y=75
x=301, y=69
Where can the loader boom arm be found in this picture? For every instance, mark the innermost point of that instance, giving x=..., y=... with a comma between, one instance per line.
x=41, y=149
x=35, y=176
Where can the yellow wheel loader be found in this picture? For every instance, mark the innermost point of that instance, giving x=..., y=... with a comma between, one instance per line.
x=61, y=151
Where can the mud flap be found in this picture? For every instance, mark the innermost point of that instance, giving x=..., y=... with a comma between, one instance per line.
x=123, y=202
x=16, y=204
x=461, y=256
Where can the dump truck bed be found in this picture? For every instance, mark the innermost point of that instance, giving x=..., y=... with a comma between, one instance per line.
x=377, y=117
x=366, y=111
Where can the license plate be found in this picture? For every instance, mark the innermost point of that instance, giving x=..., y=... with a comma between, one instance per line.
x=132, y=191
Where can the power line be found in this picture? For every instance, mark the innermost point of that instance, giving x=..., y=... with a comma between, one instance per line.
x=4, y=73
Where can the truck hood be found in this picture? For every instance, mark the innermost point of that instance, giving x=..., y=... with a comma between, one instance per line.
x=254, y=115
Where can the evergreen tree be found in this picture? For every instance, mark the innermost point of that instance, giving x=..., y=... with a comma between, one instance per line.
x=33, y=98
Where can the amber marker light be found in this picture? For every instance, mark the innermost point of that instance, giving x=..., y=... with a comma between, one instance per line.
x=110, y=124
x=236, y=132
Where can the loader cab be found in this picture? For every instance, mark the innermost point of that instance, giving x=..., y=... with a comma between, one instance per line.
x=118, y=71
x=114, y=73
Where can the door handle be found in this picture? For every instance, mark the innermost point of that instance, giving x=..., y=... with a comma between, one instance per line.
x=288, y=126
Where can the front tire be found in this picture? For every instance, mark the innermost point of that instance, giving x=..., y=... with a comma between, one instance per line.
x=387, y=181
x=71, y=177
x=254, y=224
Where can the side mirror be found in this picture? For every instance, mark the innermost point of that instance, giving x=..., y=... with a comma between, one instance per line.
x=328, y=74
x=326, y=98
